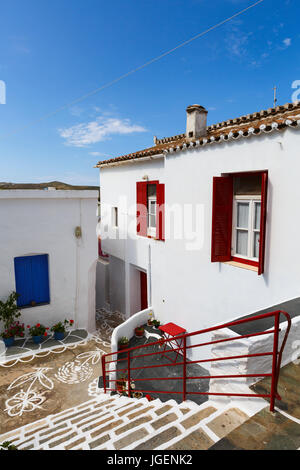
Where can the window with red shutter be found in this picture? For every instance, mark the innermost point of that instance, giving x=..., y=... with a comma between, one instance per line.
x=239, y=218
x=150, y=209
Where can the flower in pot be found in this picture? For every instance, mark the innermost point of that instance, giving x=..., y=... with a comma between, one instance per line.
x=156, y=323
x=123, y=343
x=139, y=331
x=8, y=337
x=16, y=329
x=38, y=332
x=121, y=384
x=59, y=329
x=150, y=319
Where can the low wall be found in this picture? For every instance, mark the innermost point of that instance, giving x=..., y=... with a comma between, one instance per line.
x=126, y=329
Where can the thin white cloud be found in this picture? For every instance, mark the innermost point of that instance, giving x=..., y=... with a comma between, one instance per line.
x=287, y=42
x=100, y=129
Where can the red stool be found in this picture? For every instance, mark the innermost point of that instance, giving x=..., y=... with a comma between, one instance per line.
x=170, y=331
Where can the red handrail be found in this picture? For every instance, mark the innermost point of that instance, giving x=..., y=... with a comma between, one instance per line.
x=276, y=359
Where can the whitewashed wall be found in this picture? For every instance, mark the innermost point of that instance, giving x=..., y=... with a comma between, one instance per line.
x=43, y=222
x=186, y=287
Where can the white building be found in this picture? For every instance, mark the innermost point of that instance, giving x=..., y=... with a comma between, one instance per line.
x=217, y=232
x=48, y=254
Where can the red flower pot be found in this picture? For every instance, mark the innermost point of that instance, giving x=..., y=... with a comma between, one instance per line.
x=139, y=333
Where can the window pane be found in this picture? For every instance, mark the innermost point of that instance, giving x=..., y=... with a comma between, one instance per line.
x=242, y=242
x=256, y=244
x=152, y=208
x=242, y=214
x=152, y=221
x=257, y=216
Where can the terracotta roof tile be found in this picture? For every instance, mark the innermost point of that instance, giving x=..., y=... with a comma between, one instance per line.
x=269, y=120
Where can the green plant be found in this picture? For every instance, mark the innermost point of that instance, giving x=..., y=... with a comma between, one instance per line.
x=15, y=329
x=7, y=446
x=156, y=323
x=38, y=330
x=60, y=327
x=9, y=310
x=140, y=329
x=124, y=340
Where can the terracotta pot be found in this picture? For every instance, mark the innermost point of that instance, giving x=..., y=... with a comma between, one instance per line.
x=139, y=333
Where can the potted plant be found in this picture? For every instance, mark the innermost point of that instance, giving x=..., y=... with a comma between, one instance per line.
x=139, y=331
x=123, y=343
x=59, y=329
x=9, y=312
x=156, y=324
x=18, y=329
x=7, y=445
x=121, y=384
x=38, y=332
x=150, y=319
x=8, y=336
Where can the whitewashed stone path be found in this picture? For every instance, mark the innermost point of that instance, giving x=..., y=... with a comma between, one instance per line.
x=115, y=423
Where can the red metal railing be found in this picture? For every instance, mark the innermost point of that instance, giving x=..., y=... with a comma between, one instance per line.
x=276, y=355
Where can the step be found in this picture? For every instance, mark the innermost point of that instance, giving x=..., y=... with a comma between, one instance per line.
x=121, y=423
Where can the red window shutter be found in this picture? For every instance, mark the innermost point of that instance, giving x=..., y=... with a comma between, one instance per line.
x=142, y=208
x=160, y=211
x=222, y=219
x=263, y=219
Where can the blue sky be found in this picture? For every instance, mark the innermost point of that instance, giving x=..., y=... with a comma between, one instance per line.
x=54, y=52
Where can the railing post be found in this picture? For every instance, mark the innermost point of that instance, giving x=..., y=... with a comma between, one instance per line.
x=104, y=372
x=184, y=369
x=274, y=363
x=129, y=378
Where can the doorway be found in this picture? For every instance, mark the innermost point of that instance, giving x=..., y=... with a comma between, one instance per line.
x=144, y=290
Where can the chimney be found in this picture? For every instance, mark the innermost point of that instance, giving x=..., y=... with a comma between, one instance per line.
x=196, y=123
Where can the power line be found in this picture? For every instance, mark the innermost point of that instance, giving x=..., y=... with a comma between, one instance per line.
x=146, y=64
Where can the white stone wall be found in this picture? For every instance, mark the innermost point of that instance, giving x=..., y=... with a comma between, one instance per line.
x=43, y=222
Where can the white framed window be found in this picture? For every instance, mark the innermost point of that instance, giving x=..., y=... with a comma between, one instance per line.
x=246, y=227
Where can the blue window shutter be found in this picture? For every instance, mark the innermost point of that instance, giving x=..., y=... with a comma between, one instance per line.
x=32, y=280
x=23, y=280
x=40, y=279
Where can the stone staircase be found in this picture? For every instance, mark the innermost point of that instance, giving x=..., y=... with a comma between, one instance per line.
x=115, y=423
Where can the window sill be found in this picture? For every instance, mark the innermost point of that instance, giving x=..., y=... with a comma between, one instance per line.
x=34, y=306
x=242, y=265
